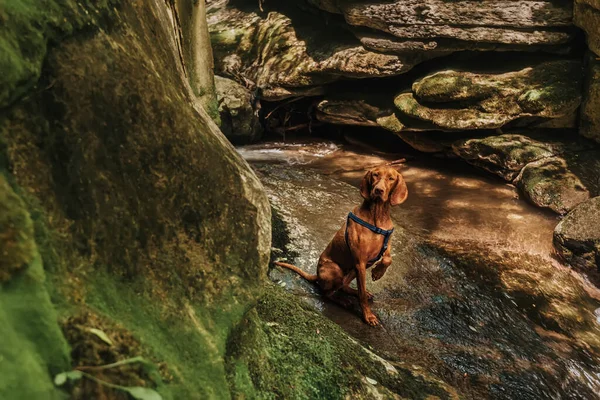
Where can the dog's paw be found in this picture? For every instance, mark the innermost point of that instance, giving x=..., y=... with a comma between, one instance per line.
x=371, y=319
x=377, y=273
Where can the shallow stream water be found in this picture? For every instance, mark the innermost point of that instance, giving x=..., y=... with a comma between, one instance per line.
x=474, y=295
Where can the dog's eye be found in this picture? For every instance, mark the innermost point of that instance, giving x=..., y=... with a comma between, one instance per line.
x=375, y=175
x=391, y=178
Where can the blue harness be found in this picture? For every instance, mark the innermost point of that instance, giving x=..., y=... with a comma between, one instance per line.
x=379, y=231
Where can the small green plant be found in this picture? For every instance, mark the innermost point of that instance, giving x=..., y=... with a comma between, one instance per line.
x=136, y=392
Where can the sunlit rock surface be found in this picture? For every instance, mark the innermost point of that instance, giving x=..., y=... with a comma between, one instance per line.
x=577, y=238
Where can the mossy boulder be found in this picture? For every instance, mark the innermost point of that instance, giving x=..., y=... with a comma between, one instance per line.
x=550, y=183
x=505, y=155
x=33, y=347
x=286, y=349
x=141, y=210
x=239, y=120
x=577, y=238
x=28, y=26
x=457, y=100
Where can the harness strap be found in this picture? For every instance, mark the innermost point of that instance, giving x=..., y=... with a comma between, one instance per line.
x=373, y=228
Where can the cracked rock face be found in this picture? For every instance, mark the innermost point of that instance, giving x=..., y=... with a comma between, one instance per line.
x=577, y=238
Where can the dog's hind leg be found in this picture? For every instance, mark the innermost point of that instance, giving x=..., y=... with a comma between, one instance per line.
x=349, y=290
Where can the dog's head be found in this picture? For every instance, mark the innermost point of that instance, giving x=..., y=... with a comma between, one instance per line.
x=384, y=184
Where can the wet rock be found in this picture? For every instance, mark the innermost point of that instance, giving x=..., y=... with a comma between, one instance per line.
x=454, y=100
x=435, y=25
x=505, y=155
x=590, y=106
x=239, y=121
x=577, y=238
x=284, y=53
x=550, y=183
x=586, y=15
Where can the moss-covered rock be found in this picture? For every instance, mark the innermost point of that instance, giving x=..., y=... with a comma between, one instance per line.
x=456, y=100
x=27, y=28
x=550, y=183
x=142, y=211
x=284, y=349
x=239, y=120
x=33, y=347
x=577, y=238
x=505, y=155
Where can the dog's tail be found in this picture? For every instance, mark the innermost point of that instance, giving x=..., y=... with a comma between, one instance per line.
x=304, y=274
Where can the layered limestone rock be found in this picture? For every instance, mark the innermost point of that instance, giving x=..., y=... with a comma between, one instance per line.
x=435, y=25
x=577, y=238
x=546, y=94
x=456, y=100
x=285, y=53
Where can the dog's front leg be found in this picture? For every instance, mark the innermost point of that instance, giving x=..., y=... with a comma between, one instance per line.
x=363, y=298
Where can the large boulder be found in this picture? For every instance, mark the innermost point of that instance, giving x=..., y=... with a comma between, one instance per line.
x=119, y=197
x=549, y=183
x=239, y=119
x=577, y=238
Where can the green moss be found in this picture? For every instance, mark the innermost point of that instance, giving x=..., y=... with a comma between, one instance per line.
x=26, y=28
x=284, y=349
x=16, y=233
x=33, y=348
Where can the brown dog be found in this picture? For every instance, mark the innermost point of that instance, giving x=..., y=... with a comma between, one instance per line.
x=363, y=241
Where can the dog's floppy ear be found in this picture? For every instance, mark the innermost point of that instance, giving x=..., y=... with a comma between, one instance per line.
x=400, y=192
x=365, y=186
